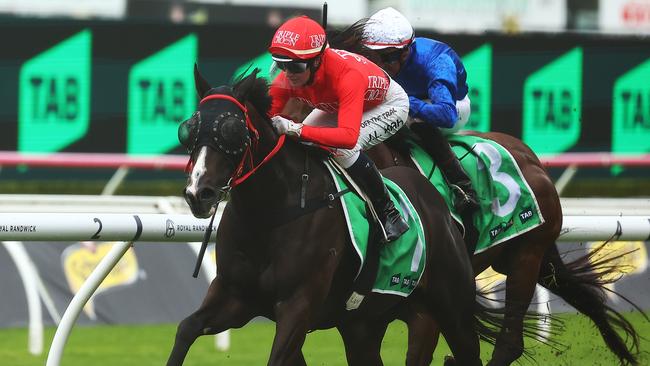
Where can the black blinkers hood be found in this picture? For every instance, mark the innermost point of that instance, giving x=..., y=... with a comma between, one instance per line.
x=223, y=127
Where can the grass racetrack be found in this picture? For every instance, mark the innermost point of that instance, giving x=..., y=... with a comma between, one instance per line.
x=150, y=345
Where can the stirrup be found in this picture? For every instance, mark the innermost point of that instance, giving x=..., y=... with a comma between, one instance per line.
x=464, y=200
x=397, y=226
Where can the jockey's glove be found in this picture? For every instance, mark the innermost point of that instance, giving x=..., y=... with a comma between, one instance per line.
x=286, y=126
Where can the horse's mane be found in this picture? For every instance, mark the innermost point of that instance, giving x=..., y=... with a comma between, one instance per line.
x=253, y=89
x=351, y=39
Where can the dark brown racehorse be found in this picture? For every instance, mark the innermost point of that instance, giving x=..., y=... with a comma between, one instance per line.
x=530, y=259
x=284, y=250
x=527, y=260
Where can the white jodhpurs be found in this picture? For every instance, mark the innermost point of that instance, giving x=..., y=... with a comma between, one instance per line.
x=377, y=124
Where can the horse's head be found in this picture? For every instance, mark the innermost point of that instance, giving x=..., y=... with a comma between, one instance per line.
x=219, y=137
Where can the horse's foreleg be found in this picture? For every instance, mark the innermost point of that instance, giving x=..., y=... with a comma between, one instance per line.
x=522, y=271
x=297, y=310
x=362, y=340
x=298, y=360
x=291, y=327
x=454, y=307
x=459, y=329
x=218, y=312
x=295, y=315
x=423, y=334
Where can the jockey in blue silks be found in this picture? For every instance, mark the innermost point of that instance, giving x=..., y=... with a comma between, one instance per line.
x=435, y=80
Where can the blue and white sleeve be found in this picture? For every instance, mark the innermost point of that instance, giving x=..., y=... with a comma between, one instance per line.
x=441, y=111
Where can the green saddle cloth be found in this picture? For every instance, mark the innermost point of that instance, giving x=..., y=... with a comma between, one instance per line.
x=508, y=207
x=402, y=262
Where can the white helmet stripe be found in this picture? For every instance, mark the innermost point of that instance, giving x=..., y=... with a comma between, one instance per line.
x=389, y=44
x=304, y=52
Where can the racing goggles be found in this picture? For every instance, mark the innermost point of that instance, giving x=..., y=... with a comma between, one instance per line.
x=294, y=67
x=290, y=65
x=391, y=57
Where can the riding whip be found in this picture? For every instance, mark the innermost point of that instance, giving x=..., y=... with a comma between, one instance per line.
x=204, y=245
x=324, y=16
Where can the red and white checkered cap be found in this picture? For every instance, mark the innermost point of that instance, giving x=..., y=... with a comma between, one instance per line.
x=298, y=38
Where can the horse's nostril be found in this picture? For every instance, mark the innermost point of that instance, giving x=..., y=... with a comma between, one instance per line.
x=207, y=194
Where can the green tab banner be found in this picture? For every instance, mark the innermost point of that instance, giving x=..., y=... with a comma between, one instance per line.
x=161, y=95
x=478, y=64
x=631, y=111
x=54, y=96
x=552, y=104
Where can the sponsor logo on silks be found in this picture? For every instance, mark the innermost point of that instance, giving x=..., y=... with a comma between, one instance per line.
x=395, y=279
x=497, y=230
x=526, y=214
x=406, y=282
x=413, y=283
x=379, y=118
x=317, y=40
x=170, y=232
x=287, y=38
x=79, y=260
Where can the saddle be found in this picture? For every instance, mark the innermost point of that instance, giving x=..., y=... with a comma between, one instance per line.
x=389, y=269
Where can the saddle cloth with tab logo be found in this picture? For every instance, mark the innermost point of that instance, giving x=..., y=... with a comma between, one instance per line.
x=509, y=207
x=402, y=262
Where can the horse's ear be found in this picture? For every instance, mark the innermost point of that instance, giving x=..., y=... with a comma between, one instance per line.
x=202, y=85
x=244, y=85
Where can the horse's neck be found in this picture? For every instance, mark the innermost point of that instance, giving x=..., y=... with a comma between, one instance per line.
x=279, y=183
x=291, y=174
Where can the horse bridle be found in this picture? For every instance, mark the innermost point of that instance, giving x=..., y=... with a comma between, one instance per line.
x=246, y=151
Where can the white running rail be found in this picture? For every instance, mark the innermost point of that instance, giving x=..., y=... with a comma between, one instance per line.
x=618, y=221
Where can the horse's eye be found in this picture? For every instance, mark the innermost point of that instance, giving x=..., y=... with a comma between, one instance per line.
x=187, y=131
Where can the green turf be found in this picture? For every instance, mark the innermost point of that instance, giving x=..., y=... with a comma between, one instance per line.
x=149, y=345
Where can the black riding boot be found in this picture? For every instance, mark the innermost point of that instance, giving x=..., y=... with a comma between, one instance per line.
x=437, y=146
x=365, y=174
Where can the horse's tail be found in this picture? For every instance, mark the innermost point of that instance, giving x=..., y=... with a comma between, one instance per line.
x=581, y=283
x=489, y=321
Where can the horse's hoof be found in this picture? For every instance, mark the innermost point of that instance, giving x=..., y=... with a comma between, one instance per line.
x=449, y=361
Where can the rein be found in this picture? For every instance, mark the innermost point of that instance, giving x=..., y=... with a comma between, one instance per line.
x=237, y=177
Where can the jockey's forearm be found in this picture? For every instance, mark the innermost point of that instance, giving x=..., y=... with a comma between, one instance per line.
x=439, y=114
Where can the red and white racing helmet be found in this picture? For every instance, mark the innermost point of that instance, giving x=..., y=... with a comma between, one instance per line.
x=387, y=28
x=298, y=38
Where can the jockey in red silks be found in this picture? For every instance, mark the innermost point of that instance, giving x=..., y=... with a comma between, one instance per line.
x=356, y=106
